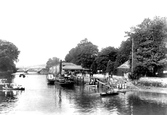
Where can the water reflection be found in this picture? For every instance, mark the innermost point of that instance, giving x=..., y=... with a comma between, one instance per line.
x=41, y=98
x=8, y=100
x=147, y=104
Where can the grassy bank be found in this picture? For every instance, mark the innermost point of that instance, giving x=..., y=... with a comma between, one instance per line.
x=144, y=84
x=152, y=82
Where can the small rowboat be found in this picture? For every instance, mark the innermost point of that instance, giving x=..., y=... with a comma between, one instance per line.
x=110, y=93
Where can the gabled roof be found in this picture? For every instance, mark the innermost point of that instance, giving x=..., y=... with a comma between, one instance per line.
x=125, y=65
x=71, y=66
x=67, y=64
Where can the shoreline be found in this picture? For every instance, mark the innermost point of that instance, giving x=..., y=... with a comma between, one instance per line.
x=149, y=87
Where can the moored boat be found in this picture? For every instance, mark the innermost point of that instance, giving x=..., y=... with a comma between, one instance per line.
x=109, y=93
x=17, y=88
x=65, y=81
x=50, y=79
x=12, y=86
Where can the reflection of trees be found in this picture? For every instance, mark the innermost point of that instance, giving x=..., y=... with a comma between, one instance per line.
x=85, y=102
x=11, y=96
x=130, y=103
x=137, y=104
x=158, y=98
x=116, y=103
x=63, y=91
x=8, y=99
x=146, y=107
x=83, y=99
x=60, y=98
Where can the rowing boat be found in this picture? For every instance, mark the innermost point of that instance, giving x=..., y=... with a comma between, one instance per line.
x=109, y=93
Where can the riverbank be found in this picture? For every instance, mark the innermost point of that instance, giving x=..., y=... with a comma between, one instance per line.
x=152, y=82
x=144, y=84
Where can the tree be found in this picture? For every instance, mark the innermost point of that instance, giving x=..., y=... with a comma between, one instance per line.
x=149, y=46
x=52, y=62
x=110, y=67
x=106, y=54
x=124, y=53
x=83, y=54
x=8, y=56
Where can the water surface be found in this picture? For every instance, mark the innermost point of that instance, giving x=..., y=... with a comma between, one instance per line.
x=43, y=99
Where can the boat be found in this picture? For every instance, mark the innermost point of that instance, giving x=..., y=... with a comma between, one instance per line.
x=65, y=81
x=109, y=93
x=61, y=77
x=50, y=79
x=17, y=88
x=12, y=86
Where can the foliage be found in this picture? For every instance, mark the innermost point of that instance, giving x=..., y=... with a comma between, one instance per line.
x=52, y=62
x=110, y=67
x=149, y=46
x=94, y=67
x=83, y=54
x=8, y=55
x=106, y=54
x=124, y=53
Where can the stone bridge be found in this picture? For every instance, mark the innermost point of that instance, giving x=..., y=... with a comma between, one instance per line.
x=36, y=69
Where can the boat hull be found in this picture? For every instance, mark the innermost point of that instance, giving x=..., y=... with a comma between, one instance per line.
x=64, y=82
x=50, y=79
x=22, y=88
x=109, y=93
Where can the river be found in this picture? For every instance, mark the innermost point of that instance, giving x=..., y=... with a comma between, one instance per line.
x=39, y=98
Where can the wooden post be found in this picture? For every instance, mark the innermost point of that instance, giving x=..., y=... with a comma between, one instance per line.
x=60, y=67
x=132, y=57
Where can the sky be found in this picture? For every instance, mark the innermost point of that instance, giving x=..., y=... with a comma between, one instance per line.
x=42, y=29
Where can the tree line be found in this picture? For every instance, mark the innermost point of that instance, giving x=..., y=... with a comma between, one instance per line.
x=8, y=56
x=149, y=51
x=106, y=60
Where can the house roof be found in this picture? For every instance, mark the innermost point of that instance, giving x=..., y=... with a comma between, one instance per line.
x=71, y=66
x=125, y=65
x=67, y=64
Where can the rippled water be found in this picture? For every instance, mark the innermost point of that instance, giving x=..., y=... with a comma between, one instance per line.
x=42, y=99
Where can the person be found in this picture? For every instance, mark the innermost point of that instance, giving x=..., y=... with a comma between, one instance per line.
x=126, y=75
x=6, y=86
x=91, y=74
